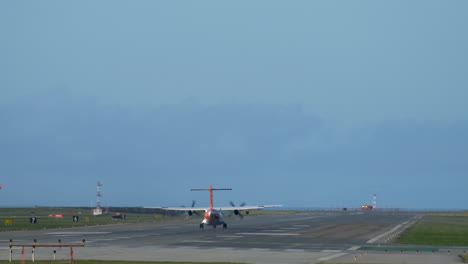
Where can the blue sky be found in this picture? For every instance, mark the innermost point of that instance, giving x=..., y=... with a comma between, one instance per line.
x=303, y=103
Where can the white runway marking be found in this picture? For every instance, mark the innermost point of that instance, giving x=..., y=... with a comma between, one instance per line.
x=224, y=248
x=289, y=228
x=331, y=251
x=260, y=249
x=384, y=234
x=294, y=250
x=331, y=257
x=123, y=237
x=106, y=239
x=182, y=247
x=275, y=230
x=79, y=242
x=301, y=225
x=269, y=234
x=227, y=236
x=354, y=248
x=198, y=241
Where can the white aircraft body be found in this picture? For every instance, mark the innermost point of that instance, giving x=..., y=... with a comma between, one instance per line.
x=213, y=216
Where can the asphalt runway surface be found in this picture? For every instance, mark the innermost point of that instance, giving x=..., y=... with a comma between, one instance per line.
x=306, y=237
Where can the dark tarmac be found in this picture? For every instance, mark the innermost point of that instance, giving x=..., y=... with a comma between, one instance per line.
x=307, y=237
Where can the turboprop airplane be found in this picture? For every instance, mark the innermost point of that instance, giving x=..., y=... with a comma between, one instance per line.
x=213, y=216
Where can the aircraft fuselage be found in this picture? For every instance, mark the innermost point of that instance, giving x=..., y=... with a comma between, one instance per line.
x=214, y=218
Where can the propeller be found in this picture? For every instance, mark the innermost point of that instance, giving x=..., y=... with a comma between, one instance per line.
x=238, y=212
x=190, y=212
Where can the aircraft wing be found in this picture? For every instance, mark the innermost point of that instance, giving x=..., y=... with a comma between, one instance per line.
x=227, y=208
x=180, y=208
x=246, y=207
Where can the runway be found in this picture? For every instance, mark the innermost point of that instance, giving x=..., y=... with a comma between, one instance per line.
x=302, y=238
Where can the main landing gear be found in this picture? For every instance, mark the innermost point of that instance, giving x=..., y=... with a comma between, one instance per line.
x=202, y=226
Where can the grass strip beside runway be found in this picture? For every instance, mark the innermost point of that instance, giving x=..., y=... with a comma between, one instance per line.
x=401, y=249
x=12, y=219
x=111, y=262
x=446, y=233
x=350, y=263
x=464, y=257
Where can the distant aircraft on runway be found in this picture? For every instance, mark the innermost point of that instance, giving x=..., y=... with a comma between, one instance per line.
x=213, y=216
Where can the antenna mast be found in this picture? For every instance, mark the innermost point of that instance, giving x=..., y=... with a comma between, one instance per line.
x=98, y=210
x=374, y=202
